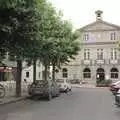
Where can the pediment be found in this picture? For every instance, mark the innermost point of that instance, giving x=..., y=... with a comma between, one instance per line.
x=100, y=25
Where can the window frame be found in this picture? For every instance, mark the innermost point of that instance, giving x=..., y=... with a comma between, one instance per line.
x=113, y=36
x=86, y=36
x=114, y=74
x=27, y=74
x=86, y=54
x=87, y=73
x=100, y=55
x=114, y=53
x=65, y=73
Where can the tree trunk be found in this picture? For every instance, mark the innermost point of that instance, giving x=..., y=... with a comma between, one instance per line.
x=53, y=72
x=34, y=71
x=18, y=80
x=46, y=72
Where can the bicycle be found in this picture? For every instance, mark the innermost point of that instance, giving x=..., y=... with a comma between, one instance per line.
x=2, y=91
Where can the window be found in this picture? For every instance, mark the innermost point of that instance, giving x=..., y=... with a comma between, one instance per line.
x=113, y=54
x=65, y=73
x=100, y=54
x=27, y=74
x=86, y=54
x=86, y=37
x=100, y=70
x=86, y=73
x=39, y=75
x=114, y=73
x=112, y=36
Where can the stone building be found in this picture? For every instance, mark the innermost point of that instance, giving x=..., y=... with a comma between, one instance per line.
x=99, y=56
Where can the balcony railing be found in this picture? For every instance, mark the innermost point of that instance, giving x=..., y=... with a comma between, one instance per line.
x=100, y=62
x=86, y=62
x=113, y=61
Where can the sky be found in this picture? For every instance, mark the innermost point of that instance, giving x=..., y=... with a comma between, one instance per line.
x=82, y=12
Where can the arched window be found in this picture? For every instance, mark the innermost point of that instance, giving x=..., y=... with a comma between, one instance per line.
x=100, y=70
x=87, y=73
x=65, y=72
x=114, y=73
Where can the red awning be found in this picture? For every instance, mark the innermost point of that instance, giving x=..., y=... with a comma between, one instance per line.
x=3, y=69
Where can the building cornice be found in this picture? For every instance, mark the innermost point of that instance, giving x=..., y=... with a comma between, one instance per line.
x=100, y=43
x=101, y=30
x=116, y=27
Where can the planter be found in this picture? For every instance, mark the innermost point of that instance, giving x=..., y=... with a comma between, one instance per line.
x=104, y=83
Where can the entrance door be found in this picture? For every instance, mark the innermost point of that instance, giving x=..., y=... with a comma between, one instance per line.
x=100, y=75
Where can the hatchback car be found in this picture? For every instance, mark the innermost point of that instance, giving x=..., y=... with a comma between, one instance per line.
x=114, y=87
x=42, y=88
x=64, y=85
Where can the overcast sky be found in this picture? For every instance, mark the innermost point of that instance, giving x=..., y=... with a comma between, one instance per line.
x=82, y=12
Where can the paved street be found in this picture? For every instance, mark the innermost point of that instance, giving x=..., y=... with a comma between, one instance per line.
x=82, y=104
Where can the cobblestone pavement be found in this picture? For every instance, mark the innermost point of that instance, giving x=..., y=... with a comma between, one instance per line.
x=81, y=104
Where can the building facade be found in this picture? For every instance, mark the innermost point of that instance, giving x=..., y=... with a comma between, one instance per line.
x=99, y=56
x=8, y=71
x=27, y=72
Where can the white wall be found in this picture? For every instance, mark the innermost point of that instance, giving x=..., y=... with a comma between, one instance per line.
x=39, y=69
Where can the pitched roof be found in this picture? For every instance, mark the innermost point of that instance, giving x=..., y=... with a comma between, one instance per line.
x=100, y=21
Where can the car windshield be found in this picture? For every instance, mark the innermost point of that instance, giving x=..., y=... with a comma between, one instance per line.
x=117, y=83
x=60, y=81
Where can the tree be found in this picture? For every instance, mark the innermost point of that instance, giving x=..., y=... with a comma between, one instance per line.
x=48, y=20
x=18, y=24
x=58, y=40
x=66, y=46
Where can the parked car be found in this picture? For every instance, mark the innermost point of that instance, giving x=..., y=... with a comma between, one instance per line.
x=117, y=98
x=114, y=87
x=64, y=85
x=75, y=81
x=42, y=88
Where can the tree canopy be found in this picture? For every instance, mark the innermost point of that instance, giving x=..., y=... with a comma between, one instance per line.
x=33, y=30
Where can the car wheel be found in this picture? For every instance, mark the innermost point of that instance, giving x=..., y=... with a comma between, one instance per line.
x=49, y=97
x=66, y=90
x=70, y=90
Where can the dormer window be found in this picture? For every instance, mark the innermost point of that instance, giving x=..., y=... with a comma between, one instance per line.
x=113, y=36
x=86, y=37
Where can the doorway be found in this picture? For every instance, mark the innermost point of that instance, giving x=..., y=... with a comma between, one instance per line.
x=100, y=75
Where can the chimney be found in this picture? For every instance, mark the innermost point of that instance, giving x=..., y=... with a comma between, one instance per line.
x=98, y=15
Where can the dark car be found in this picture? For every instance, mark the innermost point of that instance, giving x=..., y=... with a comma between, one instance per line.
x=114, y=87
x=42, y=88
x=117, y=98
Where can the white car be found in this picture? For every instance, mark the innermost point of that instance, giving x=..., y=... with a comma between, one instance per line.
x=114, y=87
x=64, y=85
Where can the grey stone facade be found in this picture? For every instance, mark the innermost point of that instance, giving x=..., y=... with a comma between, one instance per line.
x=97, y=37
